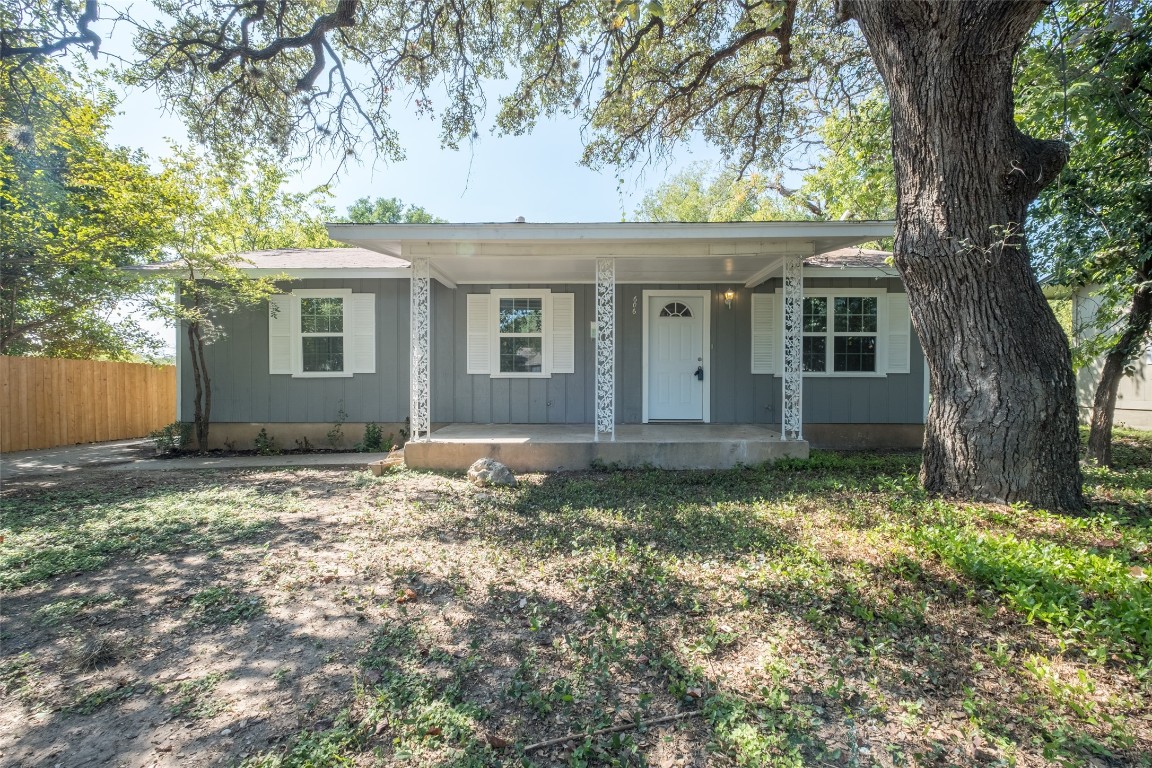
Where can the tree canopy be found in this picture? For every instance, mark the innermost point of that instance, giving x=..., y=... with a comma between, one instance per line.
x=850, y=176
x=317, y=74
x=700, y=193
x=73, y=211
x=388, y=210
x=1087, y=77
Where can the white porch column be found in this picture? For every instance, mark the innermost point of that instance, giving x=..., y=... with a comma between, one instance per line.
x=793, y=381
x=420, y=403
x=605, y=348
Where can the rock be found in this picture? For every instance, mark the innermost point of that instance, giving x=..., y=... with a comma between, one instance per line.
x=486, y=472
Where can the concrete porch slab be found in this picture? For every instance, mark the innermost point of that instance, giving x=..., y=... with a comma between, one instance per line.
x=549, y=447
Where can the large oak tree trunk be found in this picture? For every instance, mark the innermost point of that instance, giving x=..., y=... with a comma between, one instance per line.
x=1002, y=422
x=1126, y=347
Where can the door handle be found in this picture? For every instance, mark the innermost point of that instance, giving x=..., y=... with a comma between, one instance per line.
x=700, y=372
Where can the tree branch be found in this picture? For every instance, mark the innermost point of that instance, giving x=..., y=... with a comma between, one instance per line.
x=613, y=729
x=83, y=36
x=344, y=16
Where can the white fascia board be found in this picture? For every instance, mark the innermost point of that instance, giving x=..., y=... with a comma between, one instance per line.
x=328, y=273
x=610, y=231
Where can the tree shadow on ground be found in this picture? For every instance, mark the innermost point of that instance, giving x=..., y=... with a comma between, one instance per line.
x=414, y=618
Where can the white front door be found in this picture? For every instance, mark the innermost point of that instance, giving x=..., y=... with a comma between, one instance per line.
x=676, y=368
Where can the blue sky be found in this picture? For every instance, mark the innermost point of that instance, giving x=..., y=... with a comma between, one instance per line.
x=537, y=176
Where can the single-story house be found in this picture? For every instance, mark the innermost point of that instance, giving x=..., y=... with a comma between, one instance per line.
x=563, y=345
x=1134, y=395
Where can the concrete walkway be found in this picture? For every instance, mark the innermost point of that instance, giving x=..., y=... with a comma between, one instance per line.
x=137, y=455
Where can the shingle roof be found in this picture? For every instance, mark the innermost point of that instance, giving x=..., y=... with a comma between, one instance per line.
x=310, y=258
x=845, y=258
x=322, y=258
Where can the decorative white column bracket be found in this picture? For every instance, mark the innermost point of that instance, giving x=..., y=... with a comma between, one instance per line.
x=605, y=348
x=793, y=381
x=420, y=403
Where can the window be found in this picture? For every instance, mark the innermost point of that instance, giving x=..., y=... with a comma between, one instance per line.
x=848, y=332
x=840, y=334
x=675, y=309
x=316, y=332
x=322, y=335
x=520, y=334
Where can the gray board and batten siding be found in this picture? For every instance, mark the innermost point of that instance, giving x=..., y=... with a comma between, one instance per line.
x=244, y=391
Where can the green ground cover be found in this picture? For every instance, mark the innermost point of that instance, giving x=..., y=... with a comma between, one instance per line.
x=809, y=613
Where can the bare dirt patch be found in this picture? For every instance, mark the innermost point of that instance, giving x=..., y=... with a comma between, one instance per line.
x=324, y=617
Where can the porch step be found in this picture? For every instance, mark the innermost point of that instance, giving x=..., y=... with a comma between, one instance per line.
x=540, y=454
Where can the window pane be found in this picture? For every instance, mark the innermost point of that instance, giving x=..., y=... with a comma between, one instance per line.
x=521, y=315
x=322, y=315
x=816, y=315
x=815, y=353
x=323, y=353
x=521, y=355
x=675, y=309
x=854, y=353
x=855, y=314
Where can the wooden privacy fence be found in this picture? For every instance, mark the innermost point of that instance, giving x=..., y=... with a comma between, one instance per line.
x=48, y=402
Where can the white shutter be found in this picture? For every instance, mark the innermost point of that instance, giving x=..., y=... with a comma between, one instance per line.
x=763, y=333
x=479, y=333
x=899, y=333
x=563, y=333
x=360, y=332
x=280, y=334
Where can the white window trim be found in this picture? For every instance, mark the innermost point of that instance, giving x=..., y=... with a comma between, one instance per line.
x=881, y=336
x=545, y=296
x=298, y=336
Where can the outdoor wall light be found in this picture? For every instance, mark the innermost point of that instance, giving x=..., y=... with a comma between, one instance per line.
x=729, y=295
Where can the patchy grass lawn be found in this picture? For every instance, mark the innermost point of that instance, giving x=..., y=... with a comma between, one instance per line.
x=818, y=613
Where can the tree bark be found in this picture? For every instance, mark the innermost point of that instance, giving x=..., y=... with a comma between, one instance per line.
x=1104, y=401
x=204, y=386
x=202, y=395
x=1002, y=425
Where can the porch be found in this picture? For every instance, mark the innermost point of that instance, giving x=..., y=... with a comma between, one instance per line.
x=518, y=329
x=546, y=447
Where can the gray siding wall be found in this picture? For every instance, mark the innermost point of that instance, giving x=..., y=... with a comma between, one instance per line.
x=738, y=396
x=891, y=399
x=244, y=391
x=565, y=398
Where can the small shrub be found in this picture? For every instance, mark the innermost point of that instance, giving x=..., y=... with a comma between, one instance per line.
x=304, y=445
x=336, y=434
x=373, y=441
x=97, y=651
x=172, y=438
x=265, y=443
